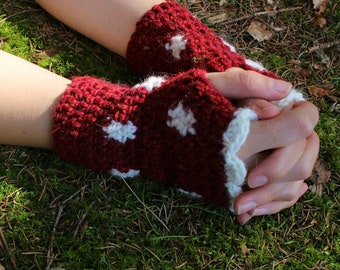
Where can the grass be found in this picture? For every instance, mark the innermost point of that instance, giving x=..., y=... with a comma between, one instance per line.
x=54, y=215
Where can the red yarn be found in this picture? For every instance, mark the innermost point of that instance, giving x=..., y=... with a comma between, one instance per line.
x=192, y=162
x=146, y=51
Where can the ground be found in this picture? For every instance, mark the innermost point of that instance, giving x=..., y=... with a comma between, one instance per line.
x=54, y=215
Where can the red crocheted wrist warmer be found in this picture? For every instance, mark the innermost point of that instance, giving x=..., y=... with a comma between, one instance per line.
x=170, y=130
x=168, y=38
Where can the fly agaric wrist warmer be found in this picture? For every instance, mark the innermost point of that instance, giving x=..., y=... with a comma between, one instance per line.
x=176, y=130
x=168, y=38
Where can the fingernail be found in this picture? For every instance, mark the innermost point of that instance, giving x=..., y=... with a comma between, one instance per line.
x=245, y=219
x=303, y=191
x=245, y=207
x=280, y=86
x=258, y=181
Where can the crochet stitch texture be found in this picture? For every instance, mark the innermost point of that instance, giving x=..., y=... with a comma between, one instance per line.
x=179, y=130
x=169, y=130
x=168, y=38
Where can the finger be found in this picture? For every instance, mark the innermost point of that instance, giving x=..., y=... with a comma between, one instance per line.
x=274, y=207
x=254, y=198
x=270, y=207
x=283, y=165
x=244, y=218
x=287, y=128
x=276, y=165
x=263, y=108
x=236, y=83
x=305, y=165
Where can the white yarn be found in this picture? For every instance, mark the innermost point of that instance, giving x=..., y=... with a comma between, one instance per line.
x=120, y=132
x=177, y=44
x=233, y=139
x=151, y=83
x=130, y=174
x=256, y=65
x=182, y=120
x=293, y=96
x=231, y=47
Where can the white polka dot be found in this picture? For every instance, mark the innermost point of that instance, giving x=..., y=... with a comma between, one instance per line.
x=151, y=83
x=177, y=44
x=120, y=132
x=129, y=174
x=182, y=120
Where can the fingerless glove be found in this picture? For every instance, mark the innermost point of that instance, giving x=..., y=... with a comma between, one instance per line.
x=169, y=39
x=176, y=130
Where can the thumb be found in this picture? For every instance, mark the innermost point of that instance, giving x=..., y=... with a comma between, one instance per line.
x=237, y=83
x=263, y=108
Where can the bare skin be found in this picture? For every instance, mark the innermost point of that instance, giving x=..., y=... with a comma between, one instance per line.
x=108, y=22
x=31, y=93
x=27, y=121
x=27, y=99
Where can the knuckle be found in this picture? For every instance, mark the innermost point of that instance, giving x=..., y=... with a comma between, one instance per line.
x=290, y=192
x=289, y=195
x=246, y=80
x=315, y=113
x=304, y=126
x=304, y=171
x=316, y=139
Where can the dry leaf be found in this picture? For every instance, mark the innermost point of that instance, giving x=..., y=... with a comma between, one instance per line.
x=335, y=108
x=314, y=221
x=218, y=18
x=222, y=2
x=320, y=5
x=323, y=57
x=319, y=177
x=317, y=3
x=268, y=8
x=317, y=91
x=272, y=5
x=259, y=31
x=302, y=71
x=319, y=20
x=244, y=249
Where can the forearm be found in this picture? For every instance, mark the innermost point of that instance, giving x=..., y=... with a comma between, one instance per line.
x=28, y=97
x=108, y=22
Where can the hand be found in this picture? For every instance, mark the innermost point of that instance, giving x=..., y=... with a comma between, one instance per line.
x=251, y=89
x=276, y=181
x=283, y=184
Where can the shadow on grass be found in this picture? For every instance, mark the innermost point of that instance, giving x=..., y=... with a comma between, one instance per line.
x=55, y=214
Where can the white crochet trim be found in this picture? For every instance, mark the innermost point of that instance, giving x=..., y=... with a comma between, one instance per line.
x=120, y=132
x=256, y=65
x=231, y=47
x=130, y=174
x=293, y=96
x=190, y=194
x=233, y=138
x=182, y=120
x=151, y=83
x=177, y=44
